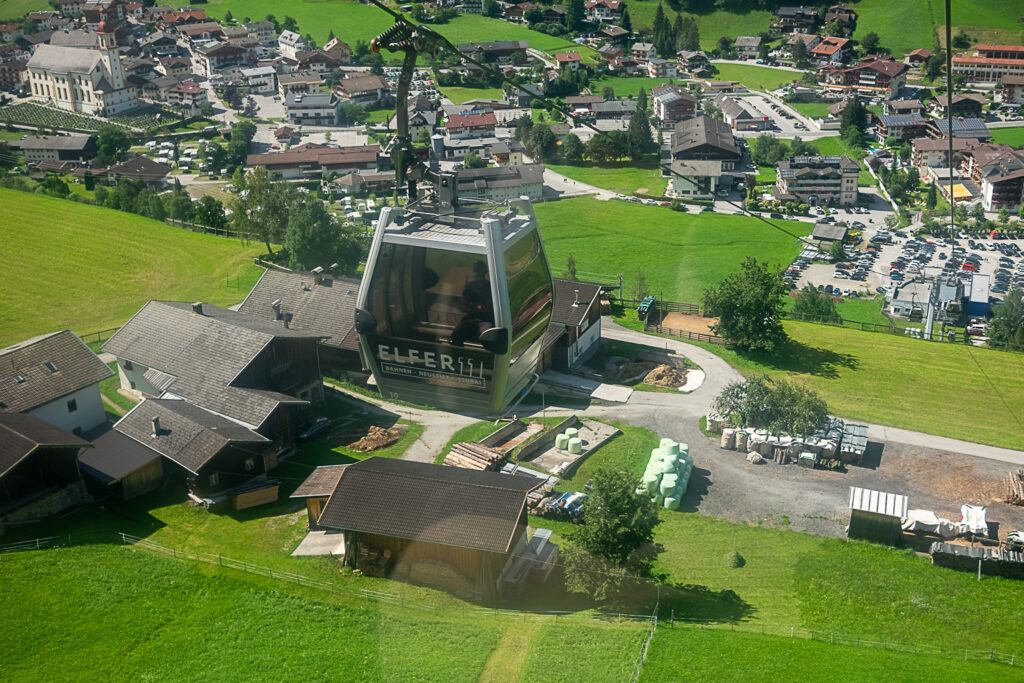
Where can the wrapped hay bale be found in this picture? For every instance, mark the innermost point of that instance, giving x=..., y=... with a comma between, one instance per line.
x=572, y=432
x=651, y=482
x=575, y=445
x=659, y=499
x=561, y=441
x=668, y=484
x=728, y=440
x=684, y=449
x=741, y=441
x=672, y=503
x=670, y=447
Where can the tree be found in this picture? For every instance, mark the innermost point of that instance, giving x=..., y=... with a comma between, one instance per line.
x=206, y=110
x=768, y=150
x=801, y=58
x=156, y=209
x=835, y=28
x=534, y=16
x=492, y=9
x=837, y=251
x=978, y=212
x=773, y=404
x=111, y=143
x=572, y=148
x=931, y=198
x=641, y=100
x=289, y=24
x=576, y=14
x=89, y=181
x=260, y=211
x=853, y=137
x=690, y=39
x=570, y=267
x=625, y=23
x=961, y=40
x=180, y=208
x=854, y=114
x=614, y=543
x=813, y=305
x=869, y=42
x=933, y=67
x=664, y=40
x=640, y=288
x=227, y=17
x=639, y=136
x=100, y=196
x=541, y=143
x=55, y=187
x=608, y=93
x=210, y=212
x=913, y=178
x=473, y=160
x=748, y=305
x=1003, y=216
x=1007, y=326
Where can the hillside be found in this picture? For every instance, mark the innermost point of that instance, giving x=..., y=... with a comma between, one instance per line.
x=88, y=268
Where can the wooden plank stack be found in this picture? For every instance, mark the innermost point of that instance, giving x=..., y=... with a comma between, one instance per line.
x=474, y=456
x=1015, y=488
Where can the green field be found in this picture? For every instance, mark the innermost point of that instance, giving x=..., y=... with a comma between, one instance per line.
x=15, y=9
x=813, y=110
x=679, y=253
x=712, y=25
x=89, y=268
x=893, y=380
x=1008, y=136
x=863, y=310
x=753, y=657
x=624, y=177
x=761, y=78
x=901, y=26
x=459, y=95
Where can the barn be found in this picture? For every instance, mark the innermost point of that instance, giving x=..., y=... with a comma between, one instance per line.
x=455, y=529
x=876, y=516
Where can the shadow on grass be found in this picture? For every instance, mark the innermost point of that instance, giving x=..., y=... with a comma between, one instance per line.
x=700, y=482
x=794, y=356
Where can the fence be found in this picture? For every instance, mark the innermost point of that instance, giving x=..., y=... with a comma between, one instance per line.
x=99, y=337
x=196, y=227
x=655, y=619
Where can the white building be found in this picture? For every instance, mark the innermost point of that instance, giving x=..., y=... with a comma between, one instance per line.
x=54, y=377
x=289, y=43
x=82, y=80
x=695, y=179
x=262, y=79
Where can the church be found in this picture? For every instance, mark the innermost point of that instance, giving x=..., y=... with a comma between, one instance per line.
x=83, y=80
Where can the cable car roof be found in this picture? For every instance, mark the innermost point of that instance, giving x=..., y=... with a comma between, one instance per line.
x=463, y=231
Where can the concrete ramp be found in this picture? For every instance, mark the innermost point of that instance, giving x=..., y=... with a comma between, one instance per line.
x=586, y=387
x=321, y=543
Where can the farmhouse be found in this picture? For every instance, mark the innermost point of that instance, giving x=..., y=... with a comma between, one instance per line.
x=365, y=89
x=967, y=105
x=56, y=378
x=451, y=527
x=789, y=19
x=874, y=77
x=38, y=469
x=74, y=148
x=575, y=328
x=846, y=16
x=317, y=302
x=973, y=129
x=832, y=49
x=747, y=46
x=338, y=50
x=259, y=374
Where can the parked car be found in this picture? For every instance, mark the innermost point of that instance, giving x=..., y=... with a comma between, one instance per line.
x=312, y=428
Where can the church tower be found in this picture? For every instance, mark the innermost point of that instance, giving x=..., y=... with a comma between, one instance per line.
x=110, y=56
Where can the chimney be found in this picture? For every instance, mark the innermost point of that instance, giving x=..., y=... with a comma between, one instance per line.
x=276, y=305
x=156, y=426
x=318, y=275
x=197, y=308
x=576, y=298
x=303, y=285
x=333, y=268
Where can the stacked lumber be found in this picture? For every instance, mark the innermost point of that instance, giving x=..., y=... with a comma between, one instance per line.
x=1015, y=488
x=474, y=456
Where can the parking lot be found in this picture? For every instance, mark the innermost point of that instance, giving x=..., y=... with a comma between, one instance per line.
x=907, y=257
x=786, y=122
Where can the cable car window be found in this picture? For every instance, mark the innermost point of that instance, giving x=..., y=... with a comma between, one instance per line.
x=529, y=291
x=431, y=295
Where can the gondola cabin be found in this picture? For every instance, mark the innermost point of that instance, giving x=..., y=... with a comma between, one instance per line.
x=455, y=306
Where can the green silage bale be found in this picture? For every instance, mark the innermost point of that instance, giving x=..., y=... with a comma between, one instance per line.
x=671, y=502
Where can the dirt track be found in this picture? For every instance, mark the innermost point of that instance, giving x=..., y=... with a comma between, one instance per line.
x=688, y=323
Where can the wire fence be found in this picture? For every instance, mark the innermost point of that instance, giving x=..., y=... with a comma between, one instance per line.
x=656, y=619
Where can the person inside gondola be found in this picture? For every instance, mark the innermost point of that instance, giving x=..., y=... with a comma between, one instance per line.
x=477, y=307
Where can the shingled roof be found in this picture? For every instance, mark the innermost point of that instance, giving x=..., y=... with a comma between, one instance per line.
x=204, y=353
x=432, y=503
x=568, y=308
x=325, y=307
x=320, y=483
x=188, y=435
x=22, y=434
x=44, y=368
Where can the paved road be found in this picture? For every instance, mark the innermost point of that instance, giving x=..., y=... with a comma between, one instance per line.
x=558, y=185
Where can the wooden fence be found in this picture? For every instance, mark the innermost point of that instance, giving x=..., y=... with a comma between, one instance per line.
x=99, y=337
x=196, y=227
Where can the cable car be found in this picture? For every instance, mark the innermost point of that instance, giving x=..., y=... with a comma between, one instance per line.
x=455, y=305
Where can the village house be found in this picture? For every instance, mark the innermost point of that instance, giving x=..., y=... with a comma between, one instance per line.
x=817, y=180
x=262, y=79
x=998, y=170
x=616, y=36
x=660, y=68
x=846, y=16
x=366, y=90
x=672, y=103
x=361, y=183
x=39, y=474
x=901, y=127
x=298, y=83
x=739, y=117
x=967, y=105
x=873, y=77
x=187, y=95
x=223, y=59
x=917, y=57
x=470, y=521
x=572, y=60
x=747, y=47
x=616, y=110
x=289, y=43
x=695, y=179
x=702, y=138
x=508, y=153
x=974, y=129
x=55, y=377
x=603, y=11
x=174, y=66
x=338, y=50
x=832, y=50
x=1013, y=89
x=189, y=17
x=644, y=51
x=500, y=51
x=902, y=107
x=313, y=109
x=929, y=151
x=502, y=183
x=790, y=19
x=809, y=40
x=694, y=62
x=470, y=125
x=262, y=32
x=312, y=160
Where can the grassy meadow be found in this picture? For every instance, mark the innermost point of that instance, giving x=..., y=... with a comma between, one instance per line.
x=622, y=177
x=761, y=78
x=458, y=95
x=626, y=86
x=679, y=253
x=1008, y=136
x=90, y=268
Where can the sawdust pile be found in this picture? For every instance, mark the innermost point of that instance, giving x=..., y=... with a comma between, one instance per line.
x=376, y=438
x=666, y=376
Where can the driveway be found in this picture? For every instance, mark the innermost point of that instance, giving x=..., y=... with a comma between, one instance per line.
x=558, y=186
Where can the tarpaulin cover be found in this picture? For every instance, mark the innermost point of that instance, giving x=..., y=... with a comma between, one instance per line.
x=974, y=517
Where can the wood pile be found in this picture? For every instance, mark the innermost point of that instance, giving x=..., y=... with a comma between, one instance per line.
x=474, y=456
x=1015, y=488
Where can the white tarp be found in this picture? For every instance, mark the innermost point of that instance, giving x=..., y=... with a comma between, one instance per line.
x=973, y=516
x=928, y=522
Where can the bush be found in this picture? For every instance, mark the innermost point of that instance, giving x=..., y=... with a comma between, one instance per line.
x=733, y=560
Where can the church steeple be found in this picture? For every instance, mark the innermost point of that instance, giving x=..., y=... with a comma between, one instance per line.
x=110, y=56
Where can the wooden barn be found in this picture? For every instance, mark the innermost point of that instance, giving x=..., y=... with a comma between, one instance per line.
x=120, y=466
x=38, y=468
x=316, y=490
x=455, y=529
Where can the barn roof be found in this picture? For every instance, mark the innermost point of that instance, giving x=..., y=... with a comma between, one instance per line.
x=44, y=368
x=431, y=503
x=21, y=434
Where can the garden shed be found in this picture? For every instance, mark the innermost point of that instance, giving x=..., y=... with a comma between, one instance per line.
x=876, y=515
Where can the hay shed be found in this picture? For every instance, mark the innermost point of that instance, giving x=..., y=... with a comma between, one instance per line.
x=876, y=516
